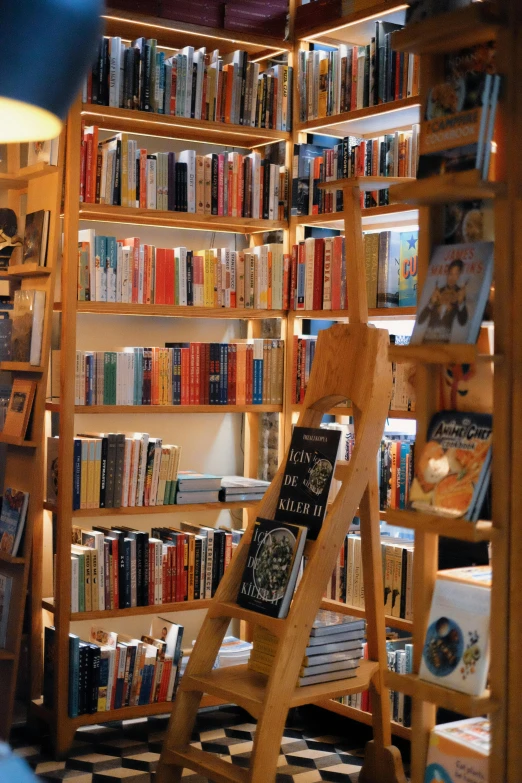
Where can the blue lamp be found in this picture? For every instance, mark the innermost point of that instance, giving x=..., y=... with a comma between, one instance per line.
x=45, y=50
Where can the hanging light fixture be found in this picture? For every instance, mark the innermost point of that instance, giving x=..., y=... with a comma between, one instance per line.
x=46, y=48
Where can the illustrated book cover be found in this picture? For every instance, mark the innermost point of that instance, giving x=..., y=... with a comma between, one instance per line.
x=452, y=472
x=35, y=237
x=459, y=752
x=308, y=474
x=273, y=563
x=455, y=294
x=19, y=408
x=28, y=314
x=12, y=520
x=408, y=262
x=456, y=646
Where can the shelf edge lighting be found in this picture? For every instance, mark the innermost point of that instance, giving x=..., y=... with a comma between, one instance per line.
x=46, y=49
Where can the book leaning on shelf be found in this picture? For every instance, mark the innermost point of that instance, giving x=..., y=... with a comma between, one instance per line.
x=225, y=184
x=459, y=745
x=19, y=408
x=193, y=83
x=126, y=270
x=12, y=520
x=240, y=373
x=355, y=77
x=36, y=234
x=27, y=330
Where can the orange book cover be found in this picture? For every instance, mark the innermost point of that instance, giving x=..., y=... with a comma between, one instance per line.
x=269, y=290
x=19, y=408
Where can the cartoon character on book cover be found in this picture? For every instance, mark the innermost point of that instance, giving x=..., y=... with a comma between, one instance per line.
x=455, y=294
x=408, y=260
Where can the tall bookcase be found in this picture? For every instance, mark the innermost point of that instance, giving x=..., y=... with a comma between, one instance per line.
x=27, y=189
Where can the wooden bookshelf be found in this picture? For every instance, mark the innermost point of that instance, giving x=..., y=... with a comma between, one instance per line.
x=144, y=510
x=461, y=186
x=172, y=311
x=355, y=28
x=171, y=127
x=133, y=611
x=140, y=409
x=361, y=716
x=373, y=218
x=456, y=701
x=27, y=189
x=371, y=121
x=345, y=410
x=356, y=611
x=375, y=314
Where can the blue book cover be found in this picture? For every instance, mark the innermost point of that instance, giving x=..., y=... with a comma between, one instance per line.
x=74, y=674
x=455, y=294
x=409, y=257
x=258, y=382
x=12, y=520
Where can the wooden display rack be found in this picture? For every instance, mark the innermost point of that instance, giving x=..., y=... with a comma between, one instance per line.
x=27, y=189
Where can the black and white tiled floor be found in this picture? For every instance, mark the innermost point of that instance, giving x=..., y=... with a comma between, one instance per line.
x=311, y=749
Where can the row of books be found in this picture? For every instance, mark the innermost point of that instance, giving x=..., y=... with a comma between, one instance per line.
x=127, y=270
x=112, y=670
x=118, y=173
x=333, y=652
x=354, y=77
x=193, y=83
x=400, y=660
x=239, y=373
x=391, y=155
x=391, y=260
x=347, y=586
x=395, y=468
x=318, y=275
x=120, y=567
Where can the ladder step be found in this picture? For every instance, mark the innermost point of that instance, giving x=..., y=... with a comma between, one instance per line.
x=206, y=764
x=229, y=609
x=247, y=689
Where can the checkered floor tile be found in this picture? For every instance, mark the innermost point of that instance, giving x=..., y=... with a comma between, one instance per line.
x=129, y=750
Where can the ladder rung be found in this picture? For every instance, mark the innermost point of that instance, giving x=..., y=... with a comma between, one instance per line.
x=206, y=764
x=225, y=609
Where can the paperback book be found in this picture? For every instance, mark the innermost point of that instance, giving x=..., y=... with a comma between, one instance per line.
x=274, y=560
x=19, y=408
x=35, y=237
x=306, y=481
x=12, y=520
x=28, y=315
x=452, y=472
x=459, y=752
x=455, y=294
x=456, y=647
x=408, y=263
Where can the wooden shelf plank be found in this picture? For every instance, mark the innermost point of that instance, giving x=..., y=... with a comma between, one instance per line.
x=164, y=125
x=233, y=610
x=368, y=121
x=21, y=442
x=393, y=215
x=356, y=611
x=365, y=183
x=25, y=270
x=246, y=688
x=144, y=510
x=172, y=311
x=125, y=713
x=344, y=410
x=374, y=313
x=460, y=186
x=6, y=655
x=20, y=367
x=474, y=24
x=5, y=557
x=412, y=685
x=460, y=529
x=354, y=28
x=361, y=716
x=439, y=353
x=175, y=35
x=133, y=611
x=188, y=220
x=20, y=179
x=113, y=409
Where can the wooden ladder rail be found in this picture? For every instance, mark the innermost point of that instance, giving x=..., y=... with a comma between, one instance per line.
x=364, y=375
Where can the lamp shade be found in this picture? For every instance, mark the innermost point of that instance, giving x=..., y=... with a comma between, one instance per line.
x=47, y=46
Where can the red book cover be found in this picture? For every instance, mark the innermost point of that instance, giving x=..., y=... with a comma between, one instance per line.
x=318, y=274
x=202, y=351
x=164, y=576
x=134, y=242
x=185, y=375
x=336, y=272
x=170, y=281
x=143, y=179
x=181, y=567
x=89, y=191
x=231, y=374
x=207, y=374
x=293, y=278
x=287, y=262
x=147, y=272
x=115, y=579
x=192, y=382
x=231, y=190
x=174, y=80
x=240, y=185
x=303, y=370
x=353, y=97
x=197, y=373
x=152, y=570
x=159, y=276
x=174, y=575
x=221, y=184
x=294, y=369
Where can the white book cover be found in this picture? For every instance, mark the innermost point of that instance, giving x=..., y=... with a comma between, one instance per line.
x=188, y=52
x=151, y=182
x=133, y=483
x=309, y=273
x=456, y=648
x=189, y=157
x=115, y=71
x=142, y=470
x=75, y=570
x=155, y=472
x=141, y=274
x=37, y=328
x=88, y=235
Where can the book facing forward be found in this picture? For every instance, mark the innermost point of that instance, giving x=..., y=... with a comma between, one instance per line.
x=273, y=563
x=308, y=474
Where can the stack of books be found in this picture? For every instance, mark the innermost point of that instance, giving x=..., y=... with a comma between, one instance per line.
x=400, y=660
x=192, y=83
x=233, y=652
x=333, y=652
x=197, y=487
x=238, y=488
x=225, y=184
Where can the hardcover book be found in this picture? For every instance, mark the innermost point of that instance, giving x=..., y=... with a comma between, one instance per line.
x=456, y=647
x=408, y=261
x=327, y=624
x=28, y=314
x=35, y=237
x=459, y=751
x=12, y=520
x=19, y=408
x=273, y=563
x=455, y=294
x=308, y=474
x=5, y=599
x=452, y=471
x=468, y=387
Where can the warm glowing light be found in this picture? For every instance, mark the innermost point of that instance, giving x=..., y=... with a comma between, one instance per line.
x=345, y=25
x=21, y=121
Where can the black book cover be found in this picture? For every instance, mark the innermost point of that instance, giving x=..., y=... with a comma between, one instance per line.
x=95, y=90
x=82, y=678
x=49, y=659
x=265, y=173
x=93, y=677
x=222, y=547
x=116, y=188
x=136, y=77
x=130, y=664
x=273, y=562
x=118, y=471
x=264, y=100
x=128, y=78
x=147, y=77
x=194, y=88
x=366, y=86
x=308, y=474
x=137, y=179
x=103, y=473
x=111, y=468
x=197, y=568
x=190, y=271
x=139, y=46
x=215, y=561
